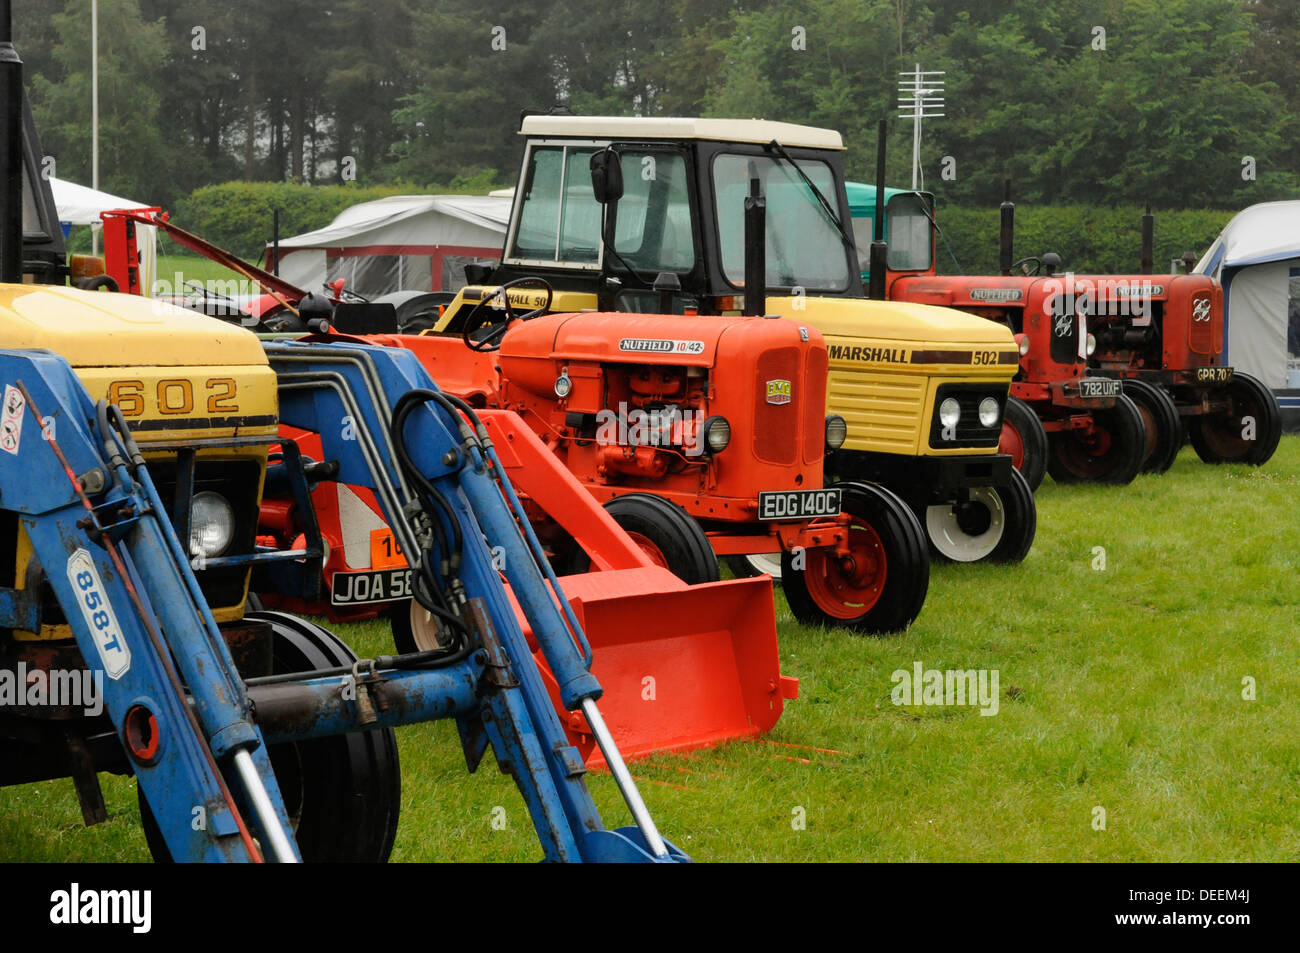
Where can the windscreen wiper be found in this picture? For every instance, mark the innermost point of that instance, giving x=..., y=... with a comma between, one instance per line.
x=779, y=151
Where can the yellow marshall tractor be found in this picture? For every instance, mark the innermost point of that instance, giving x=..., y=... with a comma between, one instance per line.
x=649, y=216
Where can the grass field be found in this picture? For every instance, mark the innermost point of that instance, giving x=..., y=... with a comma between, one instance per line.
x=1120, y=688
x=191, y=268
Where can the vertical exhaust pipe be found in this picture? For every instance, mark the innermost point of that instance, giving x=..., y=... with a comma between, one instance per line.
x=11, y=151
x=1007, y=232
x=755, y=247
x=1148, y=242
x=879, y=254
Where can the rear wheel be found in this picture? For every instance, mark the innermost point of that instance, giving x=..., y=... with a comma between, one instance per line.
x=342, y=793
x=996, y=523
x=1164, y=433
x=1025, y=440
x=1112, y=453
x=755, y=564
x=1248, y=432
x=667, y=534
x=880, y=585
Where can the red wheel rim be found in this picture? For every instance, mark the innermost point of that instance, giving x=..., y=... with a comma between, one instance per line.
x=650, y=549
x=1013, y=444
x=848, y=587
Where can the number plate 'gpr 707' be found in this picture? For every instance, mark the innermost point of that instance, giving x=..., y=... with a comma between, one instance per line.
x=1213, y=375
x=798, y=504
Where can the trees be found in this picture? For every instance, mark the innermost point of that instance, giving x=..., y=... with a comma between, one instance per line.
x=130, y=130
x=430, y=91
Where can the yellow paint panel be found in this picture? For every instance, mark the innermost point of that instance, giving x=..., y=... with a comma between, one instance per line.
x=101, y=329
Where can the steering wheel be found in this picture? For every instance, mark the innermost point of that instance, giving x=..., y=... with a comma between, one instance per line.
x=492, y=340
x=1038, y=264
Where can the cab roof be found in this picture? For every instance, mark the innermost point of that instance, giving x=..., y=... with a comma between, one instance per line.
x=759, y=131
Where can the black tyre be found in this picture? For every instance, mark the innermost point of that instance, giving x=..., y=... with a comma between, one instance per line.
x=996, y=524
x=1248, y=432
x=1164, y=429
x=881, y=587
x=667, y=534
x=1025, y=440
x=1111, y=454
x=343, y=793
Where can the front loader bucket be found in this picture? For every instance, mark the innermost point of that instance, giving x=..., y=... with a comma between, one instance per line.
x=681, y=666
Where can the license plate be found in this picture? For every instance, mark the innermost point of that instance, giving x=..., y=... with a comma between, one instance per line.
x=798, y=504
x=1213, y=375
x=1099, y=387
x=381, y=585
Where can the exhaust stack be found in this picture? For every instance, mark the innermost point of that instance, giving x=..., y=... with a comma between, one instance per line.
x=879, y=249
x=1007, y=233
x=755, y=248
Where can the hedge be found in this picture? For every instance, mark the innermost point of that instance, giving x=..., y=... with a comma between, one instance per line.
x=1098, y=240
x=237, y=216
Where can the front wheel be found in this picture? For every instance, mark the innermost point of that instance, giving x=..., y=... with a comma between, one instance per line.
x=756, y=564
x=343, y=792
x=996, y=523
x=1164, y=430
x=667, y=534
x=1111, y=453
x=879, y=586
x=1248, y=432
x=1025, y=440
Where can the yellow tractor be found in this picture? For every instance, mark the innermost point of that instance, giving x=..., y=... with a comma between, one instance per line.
x=647, y=215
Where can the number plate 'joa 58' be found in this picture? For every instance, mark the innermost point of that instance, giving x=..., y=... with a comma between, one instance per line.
x=798, y=504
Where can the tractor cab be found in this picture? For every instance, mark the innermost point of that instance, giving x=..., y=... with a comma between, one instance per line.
x=658, y=217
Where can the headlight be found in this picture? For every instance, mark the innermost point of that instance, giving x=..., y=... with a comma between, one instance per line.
x=1024, y=344
x=836, y=431
x=717, y=433
x=212, y=524
x=1091, y=345
x=949, y=412
x=563, y=384
x=989, y=412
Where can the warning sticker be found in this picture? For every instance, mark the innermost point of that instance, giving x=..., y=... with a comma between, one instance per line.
x=11, y=422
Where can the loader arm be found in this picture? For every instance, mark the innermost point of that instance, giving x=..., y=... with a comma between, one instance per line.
x=195, y=732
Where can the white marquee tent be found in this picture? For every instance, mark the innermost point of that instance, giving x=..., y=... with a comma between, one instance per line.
x=399, y=243
x=1257, y=258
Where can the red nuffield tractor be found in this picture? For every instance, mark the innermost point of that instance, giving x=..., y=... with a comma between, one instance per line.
x=643, y=406
x=1061, y=417
x=1161, y=337
x=1172, y=343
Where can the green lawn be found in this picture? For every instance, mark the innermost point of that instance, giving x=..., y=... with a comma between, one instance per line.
x=192, y=268
x=1120, y=689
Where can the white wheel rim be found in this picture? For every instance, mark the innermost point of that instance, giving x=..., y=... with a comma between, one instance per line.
x=424, y=628
x=952, y=541
x=769, y=563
